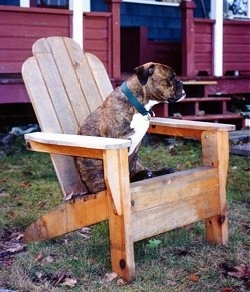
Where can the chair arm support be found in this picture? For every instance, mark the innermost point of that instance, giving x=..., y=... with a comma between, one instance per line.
x=75, y=145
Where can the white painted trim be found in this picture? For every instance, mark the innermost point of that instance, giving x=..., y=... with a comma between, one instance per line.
x=86, y=5
x=25, y=3
x=152, y=2
x=77, y=6
x=217, y=14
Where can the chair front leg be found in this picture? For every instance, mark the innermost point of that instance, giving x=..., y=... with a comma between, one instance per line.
x=116, y=175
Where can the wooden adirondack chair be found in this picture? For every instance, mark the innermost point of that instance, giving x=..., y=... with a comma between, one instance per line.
x=65, y=85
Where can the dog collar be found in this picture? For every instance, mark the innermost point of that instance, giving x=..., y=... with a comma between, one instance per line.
x=135, y=102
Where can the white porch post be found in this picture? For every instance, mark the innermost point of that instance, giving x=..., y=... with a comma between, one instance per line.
x=217, y=14
x=24, y=3
x=78, y=6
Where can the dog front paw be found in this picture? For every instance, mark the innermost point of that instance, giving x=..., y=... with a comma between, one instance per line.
x=163, y=171
x=145, y=174
x=141, y=175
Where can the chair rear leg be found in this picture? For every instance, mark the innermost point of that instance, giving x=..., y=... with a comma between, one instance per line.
x=69, y=216
x=215, y=151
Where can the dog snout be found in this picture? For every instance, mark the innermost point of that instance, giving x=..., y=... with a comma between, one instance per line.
x=178, y=85
x=179, y=91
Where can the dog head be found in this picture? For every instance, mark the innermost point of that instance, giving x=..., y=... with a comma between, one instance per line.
x=160, y=83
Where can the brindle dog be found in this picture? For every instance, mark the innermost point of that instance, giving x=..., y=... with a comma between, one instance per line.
x=125, y=114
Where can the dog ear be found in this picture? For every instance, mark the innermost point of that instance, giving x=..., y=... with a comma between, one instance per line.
x=143, y=72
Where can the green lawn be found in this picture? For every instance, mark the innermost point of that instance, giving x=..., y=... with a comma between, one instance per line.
x=179, y=260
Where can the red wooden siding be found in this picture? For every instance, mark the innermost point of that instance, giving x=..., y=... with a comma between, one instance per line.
x=21, y=27
x=236, y=38
x=12, y=90
x=203, y=49
x=97, y=36
x=168, y=53
x=197, y=44
x=136, y=49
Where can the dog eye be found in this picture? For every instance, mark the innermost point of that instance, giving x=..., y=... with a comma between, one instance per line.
x=171, y=79
x=170, y=82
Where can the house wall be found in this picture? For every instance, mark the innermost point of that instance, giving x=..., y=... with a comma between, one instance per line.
x=97, y=36
x=134, y=40
x=236, y=53
x=21, y=27
x=203, y=46
x=163, y=23
x=9, y=2
x=157, y=28
x=198, y=47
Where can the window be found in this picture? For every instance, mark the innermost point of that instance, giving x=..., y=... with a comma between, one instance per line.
x=156, y=2
x=237, y=9
x=53, y=3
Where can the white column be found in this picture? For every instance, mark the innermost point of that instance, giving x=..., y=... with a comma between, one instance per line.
x=78, y=6
x=86, y=5
x=24, y=3
x=217, y=14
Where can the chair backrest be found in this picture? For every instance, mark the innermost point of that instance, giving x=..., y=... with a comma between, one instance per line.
x=64, y=85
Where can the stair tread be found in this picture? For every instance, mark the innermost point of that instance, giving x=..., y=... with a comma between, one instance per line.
x=210, y=117
x=203, y=99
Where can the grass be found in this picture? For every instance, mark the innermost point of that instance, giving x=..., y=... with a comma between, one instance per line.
x=179, y=260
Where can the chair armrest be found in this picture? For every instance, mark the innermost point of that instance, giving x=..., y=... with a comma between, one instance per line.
x=75, y=145
x=78, y=140
x=185, y=128
x=187, y=124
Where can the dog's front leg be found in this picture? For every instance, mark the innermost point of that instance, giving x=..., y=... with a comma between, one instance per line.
x=139, y=172
x=91, y=173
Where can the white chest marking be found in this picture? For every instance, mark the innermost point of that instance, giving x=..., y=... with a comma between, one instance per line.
x=140, y=126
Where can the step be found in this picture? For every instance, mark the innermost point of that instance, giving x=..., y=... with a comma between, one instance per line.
x=211, y=117
x=241, y=149
x=205, y=99
x=195, y=106
x=240, y=142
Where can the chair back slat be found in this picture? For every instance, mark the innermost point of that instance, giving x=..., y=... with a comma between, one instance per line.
x=64, y=85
